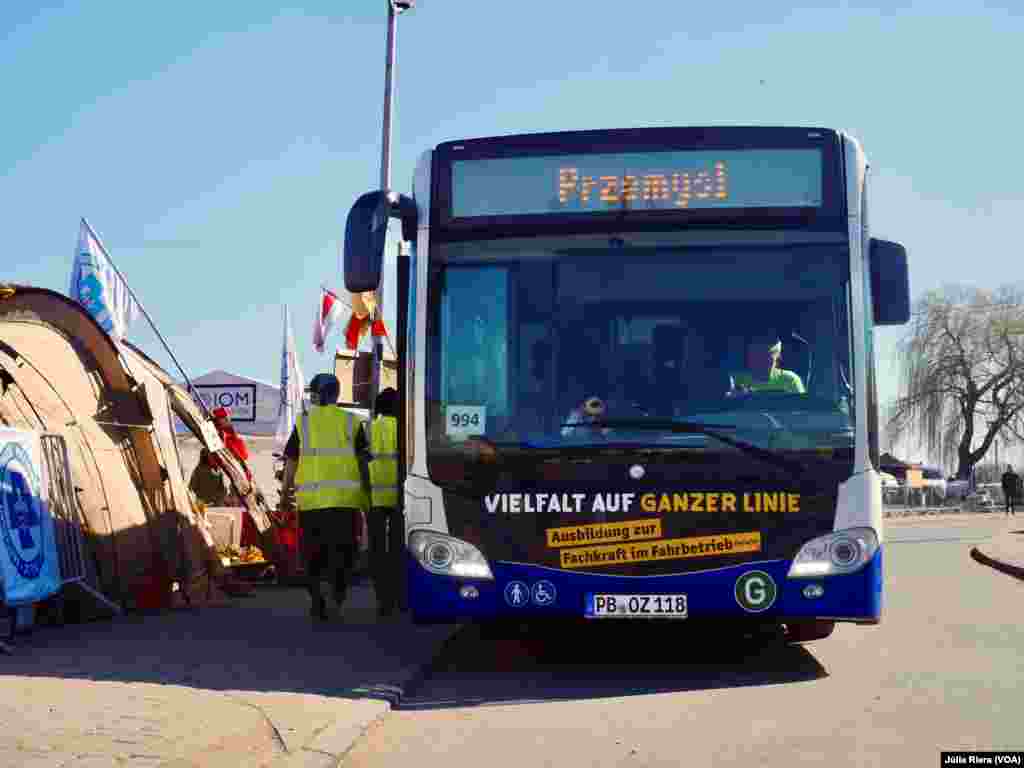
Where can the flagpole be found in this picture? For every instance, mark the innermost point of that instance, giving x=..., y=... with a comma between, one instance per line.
x=336, y=297
x=99, y=241
x=282, y=406
x=284, y=354
x=318, y=322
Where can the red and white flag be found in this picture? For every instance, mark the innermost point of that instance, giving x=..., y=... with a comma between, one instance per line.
x=364, y=307
x=328, y=310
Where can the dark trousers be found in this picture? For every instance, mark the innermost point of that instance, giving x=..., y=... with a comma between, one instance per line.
x=1011, y=503
x=328, y=549
x=387, y=542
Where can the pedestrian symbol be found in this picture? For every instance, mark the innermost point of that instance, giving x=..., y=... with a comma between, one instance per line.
x=517, y=594
x=544, y=592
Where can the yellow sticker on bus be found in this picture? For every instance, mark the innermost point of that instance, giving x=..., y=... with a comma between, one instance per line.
x=760, y=501
x=666, y=549
x=627, y=530
x=699, y=502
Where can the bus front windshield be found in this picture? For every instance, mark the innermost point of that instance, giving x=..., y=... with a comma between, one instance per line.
x=551, y=342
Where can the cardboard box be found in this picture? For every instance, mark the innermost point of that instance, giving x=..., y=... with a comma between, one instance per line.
x=226, y=526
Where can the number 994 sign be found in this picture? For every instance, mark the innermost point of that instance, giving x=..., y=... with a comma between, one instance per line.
x=465, y=420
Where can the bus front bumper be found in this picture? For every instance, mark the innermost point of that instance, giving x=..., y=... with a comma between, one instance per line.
x=531, y=593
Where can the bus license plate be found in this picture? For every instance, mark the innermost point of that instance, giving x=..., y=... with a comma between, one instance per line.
x=636, y=606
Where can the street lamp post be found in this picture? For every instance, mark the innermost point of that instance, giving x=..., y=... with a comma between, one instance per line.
x=395, y=9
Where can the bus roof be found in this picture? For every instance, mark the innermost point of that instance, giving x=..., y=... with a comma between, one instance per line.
x=656, y=136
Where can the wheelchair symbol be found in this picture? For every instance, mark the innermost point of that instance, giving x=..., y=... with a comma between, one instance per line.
x=544, y=592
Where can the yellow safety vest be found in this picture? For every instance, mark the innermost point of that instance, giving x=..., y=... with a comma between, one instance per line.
x=328, y=472
x=384, y=461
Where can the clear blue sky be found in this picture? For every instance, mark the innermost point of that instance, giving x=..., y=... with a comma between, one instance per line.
x=217, y=147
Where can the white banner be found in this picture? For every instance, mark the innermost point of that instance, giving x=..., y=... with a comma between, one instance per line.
x=97, y=286
x=29, y=568
x=292, y=387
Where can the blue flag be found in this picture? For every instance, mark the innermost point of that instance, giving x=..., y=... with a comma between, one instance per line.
x=99, y=287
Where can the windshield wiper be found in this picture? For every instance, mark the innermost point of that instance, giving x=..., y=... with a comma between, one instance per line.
x=696, y=428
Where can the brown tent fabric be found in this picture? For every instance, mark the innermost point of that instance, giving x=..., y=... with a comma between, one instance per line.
x=62, y=373
x=68, y=379
x=182, y=405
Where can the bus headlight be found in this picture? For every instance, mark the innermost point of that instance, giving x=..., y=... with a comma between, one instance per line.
x=837, y=553
x=448, y=556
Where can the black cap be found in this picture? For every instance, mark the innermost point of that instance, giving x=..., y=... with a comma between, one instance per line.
x=326, y=388
x=387, y=402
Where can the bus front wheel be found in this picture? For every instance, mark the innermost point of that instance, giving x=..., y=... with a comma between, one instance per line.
x=503, y=629
x=806, y=631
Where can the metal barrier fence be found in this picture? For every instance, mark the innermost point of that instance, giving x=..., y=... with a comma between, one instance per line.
x=67, y=528
x=900, y=510
x=67, y=523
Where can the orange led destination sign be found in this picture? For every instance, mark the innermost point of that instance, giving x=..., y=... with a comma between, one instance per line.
x=678, y=188
x=642, y=181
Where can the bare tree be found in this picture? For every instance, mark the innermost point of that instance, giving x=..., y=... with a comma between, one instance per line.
x=962, y=373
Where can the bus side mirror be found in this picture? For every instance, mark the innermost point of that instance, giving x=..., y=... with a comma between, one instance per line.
x=890, y=283
x=365, y=234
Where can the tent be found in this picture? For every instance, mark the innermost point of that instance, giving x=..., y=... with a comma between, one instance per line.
x=182, y=409
x=254, y=407
x=113, y=406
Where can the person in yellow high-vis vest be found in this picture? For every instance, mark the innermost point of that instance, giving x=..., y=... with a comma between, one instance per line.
x=387, y=529
x=322, y=461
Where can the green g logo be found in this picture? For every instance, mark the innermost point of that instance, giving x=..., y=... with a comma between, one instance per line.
x=755, y=591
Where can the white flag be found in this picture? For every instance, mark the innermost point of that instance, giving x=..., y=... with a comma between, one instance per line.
x=293, y=385
x=98, y=287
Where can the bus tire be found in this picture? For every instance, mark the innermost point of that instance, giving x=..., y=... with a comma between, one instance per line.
x=502, y=629
x=807, y=631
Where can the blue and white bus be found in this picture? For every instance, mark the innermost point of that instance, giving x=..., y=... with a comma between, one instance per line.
x=639, y=375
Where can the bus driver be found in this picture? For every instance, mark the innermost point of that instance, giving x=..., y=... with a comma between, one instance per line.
x=763, y=373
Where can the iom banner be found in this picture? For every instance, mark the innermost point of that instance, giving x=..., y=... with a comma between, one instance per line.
x=240, y=399
x=29, y=568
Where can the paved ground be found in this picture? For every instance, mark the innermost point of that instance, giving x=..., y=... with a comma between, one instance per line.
x=1004, y=552
x=252, y=683
x=942, y=672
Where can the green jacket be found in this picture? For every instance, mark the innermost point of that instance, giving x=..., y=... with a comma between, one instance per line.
x=779, y=380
